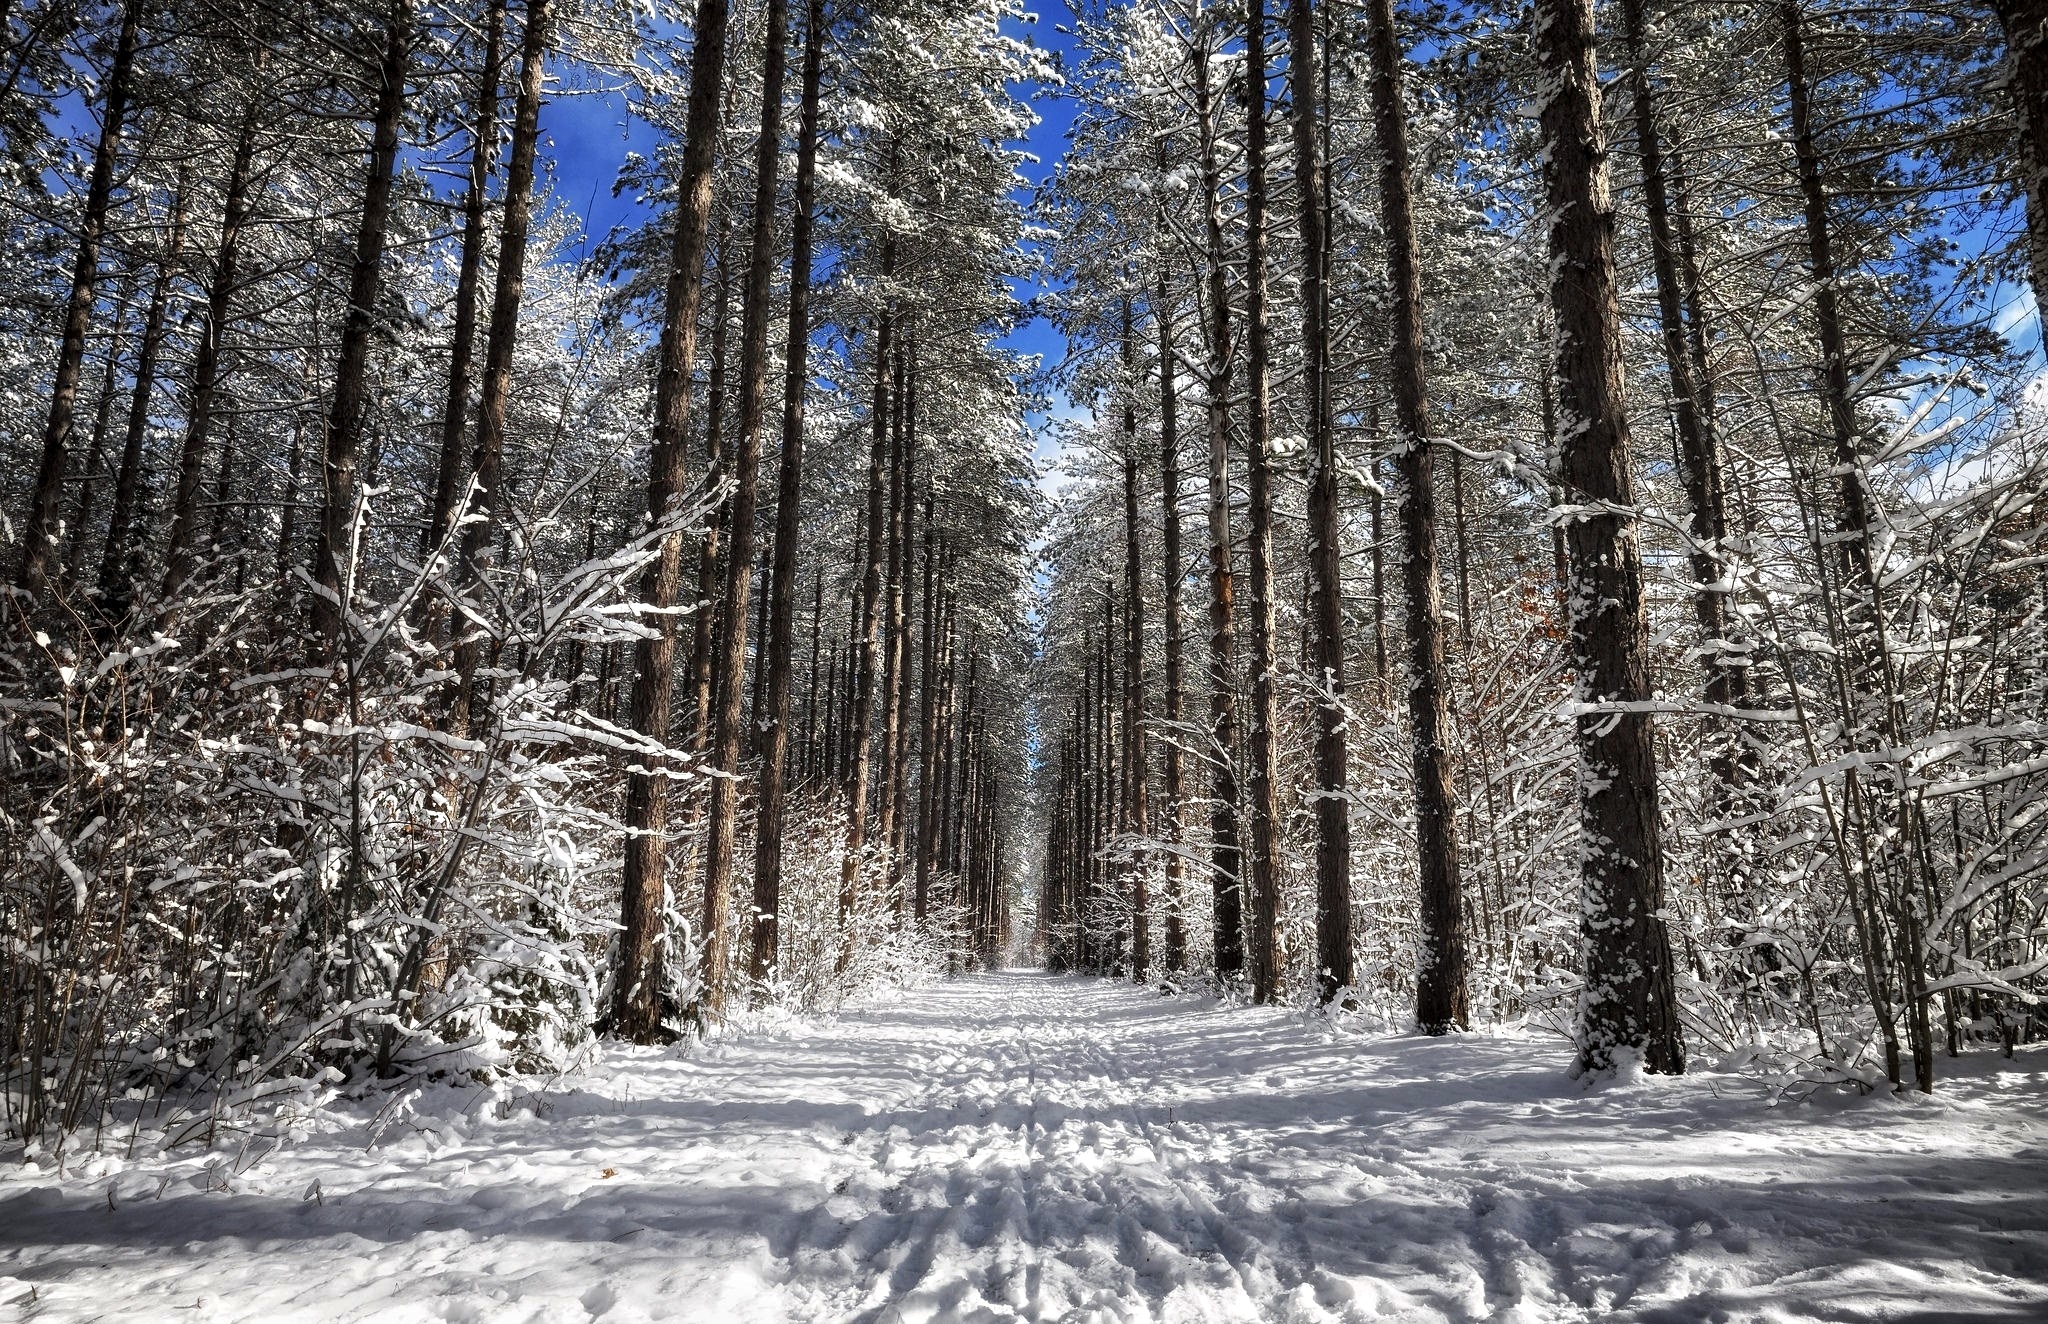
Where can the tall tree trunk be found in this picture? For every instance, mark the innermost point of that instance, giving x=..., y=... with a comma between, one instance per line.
x=895, y=654
x=39, y=540
x=114, y=579
x=1169, y=610
x=756, y=307
x=859, y=741
x=789, y=487
x=288, y=523
x=1135, y=772
x=489, y=502
x=1226, y=853
x=1873, y=692
x=206, y=371
x=1325, y=521
x=637, y=984
x=812, y=756
x=95, y=458
x=1264, y=935
x=1629, y=1005
x=1088, y=789
x=707, y=621
x=335, y=554
x=483, y=151
x=1440, y=994
x=2026, y=40
x=1700, y=461
x=928, y=720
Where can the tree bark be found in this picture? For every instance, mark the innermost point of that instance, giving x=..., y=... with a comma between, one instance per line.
x=1872, y=691
x=483, y=151
x=867, y=663
x=1629, y=1005
x=1265, y=956
x=1325, y=521
x=775, y=663
x=501, y=341
x=894, y=612
x=928, y=721
x=1169, y=610
x=637, y=984
x=1440, y=983
x=335, y=553
x=1699, y=455
x=2026, y=40
x=710, y=547
x=39, y=540
x=1226, y=852
x=1135, y=772
x=95, y=458
x=756, y=306
x=115, y=573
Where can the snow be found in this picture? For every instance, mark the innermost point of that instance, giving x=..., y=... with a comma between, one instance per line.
x=1023, y=1146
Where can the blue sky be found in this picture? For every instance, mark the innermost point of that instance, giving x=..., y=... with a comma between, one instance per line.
x=593, y=131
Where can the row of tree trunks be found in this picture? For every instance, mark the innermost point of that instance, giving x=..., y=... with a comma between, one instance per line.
x=1174, y=824
x=1265, y=961
x=483, y=151
x=1440, y=984
x=867, y=662
x=637, y=1012
x=1325, y=521
x=117, y=569
x=1225, y=850
x=1885, y=896
x=788, y=497
x=1700, y=462
x=334, y=558
x=755, y=309
x=489, y=504
x=1137, y=814
x=40, y=539
x=206, y=368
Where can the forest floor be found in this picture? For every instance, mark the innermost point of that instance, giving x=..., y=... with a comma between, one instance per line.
x=1025, y=1146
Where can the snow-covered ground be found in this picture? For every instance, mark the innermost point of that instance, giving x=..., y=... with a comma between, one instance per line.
x=1022, y=1146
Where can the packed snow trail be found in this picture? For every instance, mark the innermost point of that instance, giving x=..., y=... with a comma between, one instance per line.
x=1028, y=1147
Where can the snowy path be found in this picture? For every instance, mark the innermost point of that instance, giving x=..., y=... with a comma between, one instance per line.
x=1021, y=1146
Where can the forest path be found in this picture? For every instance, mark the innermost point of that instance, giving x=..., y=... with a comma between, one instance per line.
x=1023, y=1146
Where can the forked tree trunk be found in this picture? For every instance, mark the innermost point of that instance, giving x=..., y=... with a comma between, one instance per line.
x=1629, y=1006
x=637, y=984
x=1440, y=981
